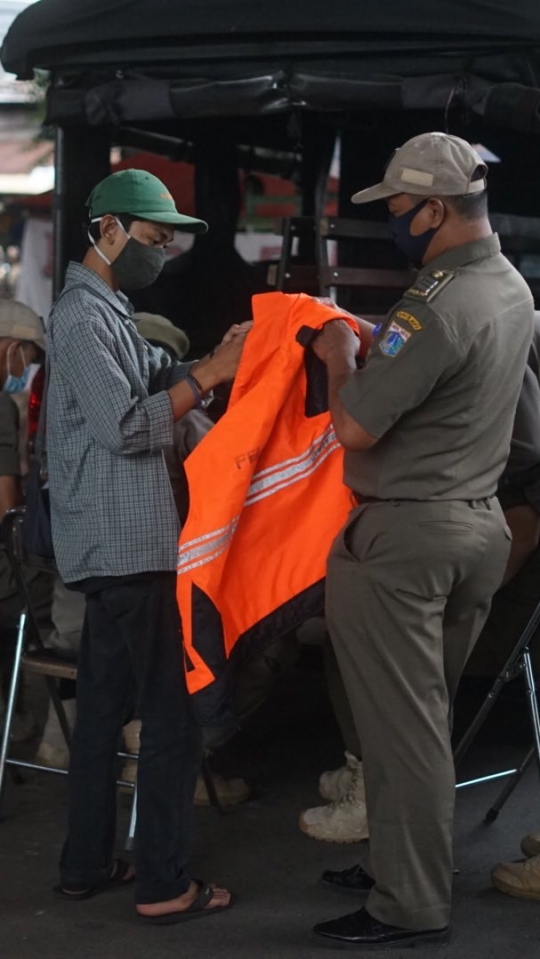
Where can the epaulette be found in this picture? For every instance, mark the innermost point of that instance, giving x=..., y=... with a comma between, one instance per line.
x=428, y=285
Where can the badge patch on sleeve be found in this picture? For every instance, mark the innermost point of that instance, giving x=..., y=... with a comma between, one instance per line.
x=394, y=339
x=410, y=319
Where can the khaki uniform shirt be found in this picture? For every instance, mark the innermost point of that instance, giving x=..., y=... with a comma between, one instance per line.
x=442, y=380
x=10, y=462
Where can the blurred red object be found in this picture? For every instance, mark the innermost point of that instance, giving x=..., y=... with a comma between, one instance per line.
x=34, y=405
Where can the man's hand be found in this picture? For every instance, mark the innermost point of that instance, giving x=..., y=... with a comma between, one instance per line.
x=219, y=367
x=222, y=363
x=336, y=338
x=237, y=329
x=226, y=357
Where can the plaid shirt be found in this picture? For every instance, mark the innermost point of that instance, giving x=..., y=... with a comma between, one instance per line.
x=108, y=419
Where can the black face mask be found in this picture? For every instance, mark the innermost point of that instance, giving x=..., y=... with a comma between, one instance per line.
x=414, y=247
x=137, y=265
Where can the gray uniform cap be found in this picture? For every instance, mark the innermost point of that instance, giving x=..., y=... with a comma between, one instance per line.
x=431, y=164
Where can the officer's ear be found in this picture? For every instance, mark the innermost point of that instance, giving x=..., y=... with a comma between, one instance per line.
x=436, y=211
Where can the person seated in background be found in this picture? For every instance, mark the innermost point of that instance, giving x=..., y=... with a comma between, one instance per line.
x=194, y=425
x=22, y=344
x=516, y=600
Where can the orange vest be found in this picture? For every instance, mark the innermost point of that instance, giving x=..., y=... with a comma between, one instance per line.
x=266, y=501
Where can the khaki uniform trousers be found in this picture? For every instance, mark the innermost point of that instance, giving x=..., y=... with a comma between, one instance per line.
x=408, y=590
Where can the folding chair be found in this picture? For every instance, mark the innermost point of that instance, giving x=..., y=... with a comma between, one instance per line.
x=518, y=664
x=32, y=656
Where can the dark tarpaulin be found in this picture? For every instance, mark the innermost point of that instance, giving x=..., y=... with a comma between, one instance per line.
x=122, y=62
x=46, y=33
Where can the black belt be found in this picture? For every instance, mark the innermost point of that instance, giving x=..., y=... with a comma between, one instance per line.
x=473, y=503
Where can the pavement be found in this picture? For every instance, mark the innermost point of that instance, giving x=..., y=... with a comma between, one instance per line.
x=258, y=851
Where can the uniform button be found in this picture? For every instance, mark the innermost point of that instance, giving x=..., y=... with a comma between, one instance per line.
x=437, y=274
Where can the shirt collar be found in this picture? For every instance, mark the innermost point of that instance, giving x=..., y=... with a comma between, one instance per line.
x=462, y=255
x=77, y=273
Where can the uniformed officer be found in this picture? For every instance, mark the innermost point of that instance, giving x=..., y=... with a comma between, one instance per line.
x=426, y=427
x=22, y=342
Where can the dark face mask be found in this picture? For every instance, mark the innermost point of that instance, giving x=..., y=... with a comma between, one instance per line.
x=414, y=247
x=137, y=265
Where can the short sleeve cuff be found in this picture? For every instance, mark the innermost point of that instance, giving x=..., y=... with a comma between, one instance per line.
x=10, y=464
x=357, y=406
x=160, y=420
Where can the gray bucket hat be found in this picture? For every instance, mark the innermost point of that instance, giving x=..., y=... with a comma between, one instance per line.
x=431, y=164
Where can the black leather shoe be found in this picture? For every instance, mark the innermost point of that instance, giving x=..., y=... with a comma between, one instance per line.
x=360, y=929
x=354, y=879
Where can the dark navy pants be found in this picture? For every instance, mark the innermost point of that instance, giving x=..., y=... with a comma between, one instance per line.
x=131, y=656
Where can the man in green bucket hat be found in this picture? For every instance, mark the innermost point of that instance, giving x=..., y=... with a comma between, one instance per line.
x=112, y=403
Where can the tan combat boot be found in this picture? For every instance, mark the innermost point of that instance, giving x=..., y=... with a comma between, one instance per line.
x=521, y=879
x=230, y=792
x=52, y=750
x=345, y=819
x=337, y=782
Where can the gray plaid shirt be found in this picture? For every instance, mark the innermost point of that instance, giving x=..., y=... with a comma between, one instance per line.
x=108, y=419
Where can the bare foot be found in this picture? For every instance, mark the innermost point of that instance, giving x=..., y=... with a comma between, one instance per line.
x=220, y=899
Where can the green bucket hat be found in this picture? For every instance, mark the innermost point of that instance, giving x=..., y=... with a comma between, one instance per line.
x=142, y=195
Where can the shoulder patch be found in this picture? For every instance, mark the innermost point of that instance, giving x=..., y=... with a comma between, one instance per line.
x=393, y=340
x=428, y=285
x=409, y=318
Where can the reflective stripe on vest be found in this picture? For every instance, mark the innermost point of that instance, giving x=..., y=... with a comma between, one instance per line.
x=266, y=501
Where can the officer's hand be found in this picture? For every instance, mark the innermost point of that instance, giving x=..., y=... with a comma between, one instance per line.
x=336, y=336
x=236, y=330
x=328, y=301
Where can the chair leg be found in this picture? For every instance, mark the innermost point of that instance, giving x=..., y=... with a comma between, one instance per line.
x=211, y=786
x=59, y=709
x=12, y=698
x=532, y=701
x=130, y=841
x=514, y=781
x=534, y=752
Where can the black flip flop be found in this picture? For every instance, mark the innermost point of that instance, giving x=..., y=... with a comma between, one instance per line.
x=113, y=882
x=197, y=910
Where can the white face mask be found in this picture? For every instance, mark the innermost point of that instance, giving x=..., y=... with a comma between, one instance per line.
x=16, y=384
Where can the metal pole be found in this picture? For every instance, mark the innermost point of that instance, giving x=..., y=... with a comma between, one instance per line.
x=59, y=212
x=12, y=698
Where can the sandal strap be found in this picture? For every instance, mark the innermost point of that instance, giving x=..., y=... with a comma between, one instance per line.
x=203, y=897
